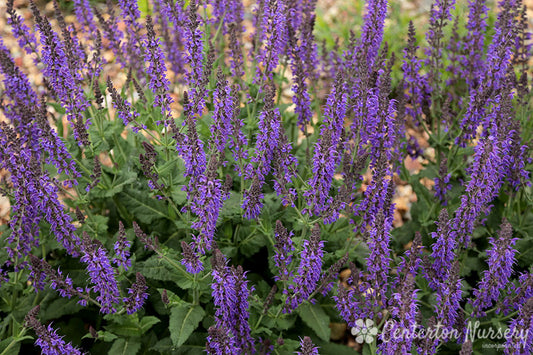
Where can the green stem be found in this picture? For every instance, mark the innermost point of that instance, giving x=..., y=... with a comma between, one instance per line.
x=13, y=342
x=173, y=263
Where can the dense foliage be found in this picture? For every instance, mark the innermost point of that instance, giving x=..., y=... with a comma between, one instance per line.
x=194, y=207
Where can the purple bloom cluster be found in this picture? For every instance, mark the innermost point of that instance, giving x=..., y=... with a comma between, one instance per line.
x=442, y=181
x=328, y=150
x=206, y=204
x=272, y=39
x=191, y=259
x=62, y=80
x=283, y=254
x=474, y=42
x=132, y=46
x=307, y=347
x=111, y=33
x=366, y=113
x=121, y=248
x=101, y=273
x=500, y=261
x=29, y=119
x=308, y=274
x=272, y=155
x=47, y=338
x=36, y=196
x=123, y=107
x=164, y=12
x=137, y=294
x=378, y=261
x=440, y=14
x=25, y=37
x=158, y=81
x=223, y=113
x=414, y=82
x=42, y=271
x=520, y=342
x=230, y=296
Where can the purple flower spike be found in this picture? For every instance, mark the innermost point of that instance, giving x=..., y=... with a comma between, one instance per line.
x=443, y=249
x=474, y=41
x=328, y=150
x=191, y=259
x=274, y=36
x=501, y=258
x=57, y=69
x=158, y=83
x=220, y=342
x=206, y=204
x=132, y=47
x=47, y=338
x=414, y=82
x=272, y=155
x=305, y=282
x=25, y=37
x=230, y=296
x=137, y=294
x=521, y=342
x=223, y=112
x=449, y=296
x=101, y=273
x=307, y=347
x=378, y=261
x=284, y=248
x=121, y=248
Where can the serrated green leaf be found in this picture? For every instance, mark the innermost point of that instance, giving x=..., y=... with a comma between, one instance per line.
x=125, y=347
x=11, y=346
x=148, y=322
x=157, y=269
x=289, y=347
x=231, y=207
x=172, y=297
x=184, y=320
x=102, y=335
x=116, y=186
x=60, y=307
x=315, y=318
x=143, y=208
x=251, y=244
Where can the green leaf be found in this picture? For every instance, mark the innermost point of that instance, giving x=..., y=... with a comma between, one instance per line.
x=143, y=208
x=116, y=186
x=251, y=244
x=102, y=335
x=289, y=347
x=144, y=7
x=148, y=322
x=183, y=321
x=60, y=307
x=232, y=207
x=315, y=318
x=334, y=348
x=125, y=347
x=11, y=345
x=56, y=106
x=172, y=297
x=157, y=269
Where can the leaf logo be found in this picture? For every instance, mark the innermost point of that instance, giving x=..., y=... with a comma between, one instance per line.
x=364, y=331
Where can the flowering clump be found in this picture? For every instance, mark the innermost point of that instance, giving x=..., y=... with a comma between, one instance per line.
x=325, y=175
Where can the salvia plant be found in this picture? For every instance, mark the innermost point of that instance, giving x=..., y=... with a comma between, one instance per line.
x=188, y=177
